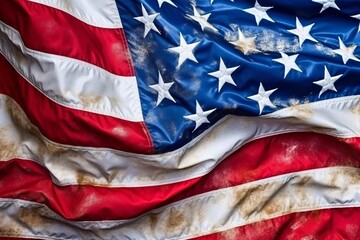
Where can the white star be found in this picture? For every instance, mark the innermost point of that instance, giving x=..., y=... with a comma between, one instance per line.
x=202, y=20
x=263, y=98
x=327, y=4
x=288, y=62
x=245, y=44
x=185, y=50
x=302, y=32
x=147, y=20
x=200, y=116
x=162, y=90
x=224, y=74
x=328, y=82
x=346, y=53
x=358, y=18
x=160, y=2
x=259, y=12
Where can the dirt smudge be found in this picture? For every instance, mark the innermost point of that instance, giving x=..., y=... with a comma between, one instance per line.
x=303, y=181
x=26, y=129
x=19, y=117
x=356, y=111
x=89, y=101
x=176, y=220
x=272, y=208
x=67, y=5
x=353, y=231
x=352, y=176
x=31, y=217
x=12, y=230
x=8, y=148
x=299, y=222
x=154, y=219
x=113, y=174
x=83, y=178
x=120, y=131
x=35, y=218
x=301, y=111
x=120, y=53
x=271, y=199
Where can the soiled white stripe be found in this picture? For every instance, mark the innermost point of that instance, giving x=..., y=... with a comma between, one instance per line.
x=80, y=165
x=215, y=211
x=102, y=13
x=94, y=90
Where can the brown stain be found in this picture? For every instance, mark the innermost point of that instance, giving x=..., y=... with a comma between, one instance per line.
x=349, y=175
x=115, y=102
x=303, y=181
x=67, y=5
x=240, y=194
x=154, y=219
x=18, y=116
x=112, y=174
x=56, y=150
x=271, y=202
x=12, y=230
x=176, y=220
x=302, y=186
x=246, y=47
x=356, y=110
x=196, y=153
x=273, y=207
x=44, y=147
x=333, y=176
x=18, y=55
x=352, y=176
x=319, y=129
x=249, y=200
x=8, y=148
x=83, y=178
x=21, y=120
x=89, y=101
x=302, y=111
x=33, y=217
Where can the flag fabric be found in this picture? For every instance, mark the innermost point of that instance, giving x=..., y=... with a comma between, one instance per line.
x=179, y=119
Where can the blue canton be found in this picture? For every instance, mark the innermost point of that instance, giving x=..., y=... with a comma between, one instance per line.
x=198, y=61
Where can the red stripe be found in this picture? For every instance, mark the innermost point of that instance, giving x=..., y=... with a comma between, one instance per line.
x=323, y=224
x=20, y=179
x=27, y=180
x=276, y=155
x=53, y=31
x=70, y=126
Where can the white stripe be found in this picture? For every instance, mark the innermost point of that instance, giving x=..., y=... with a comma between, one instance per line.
x=94, y=90
x=215, y=211
x=102, y=13
x=337, y=117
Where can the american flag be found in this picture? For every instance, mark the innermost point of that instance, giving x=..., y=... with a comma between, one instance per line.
x=179, y=119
